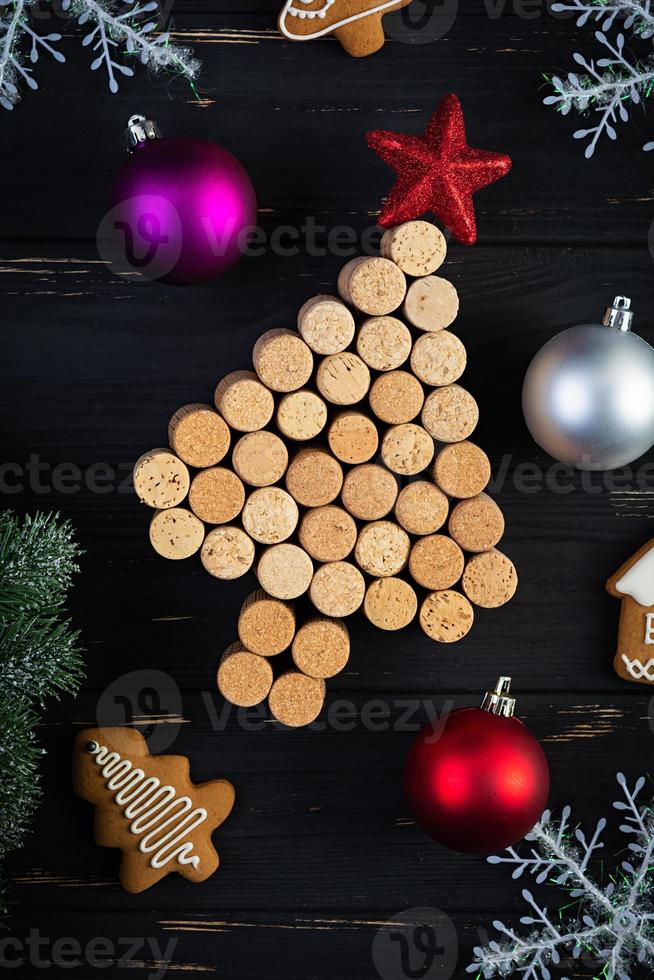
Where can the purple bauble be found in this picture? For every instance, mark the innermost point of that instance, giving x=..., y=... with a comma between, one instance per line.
x=181, y=209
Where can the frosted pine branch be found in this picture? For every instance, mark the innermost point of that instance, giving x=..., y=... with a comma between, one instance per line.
x=613, y=923
x=635, y=15
x=607, y=88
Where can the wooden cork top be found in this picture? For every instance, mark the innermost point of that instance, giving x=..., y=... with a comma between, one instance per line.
x=390, y=603
x=260, y=458
x=490, y=579
x=396, y=397
x=462, y=469
x=382, y=548
x=326, y=324
x=421, y=507
x=216, y=495
x=301, y=415
x=431, y=303
x=176, y=533
x=285, y=571
x=450, y=414
x=417, y=247
x=369, y=492
x=270, y=515
x=243, y=678
x=321, y=647
x=198, y=435
x=476, y=524
x=383, y=342
x=343, y=379
x=282, y=360
x=446, y=616
x=161, y=479
x=374, y=285
x=227, y=552
x=438, y=358
x=314, y=478
x=436, y=562
x=327, y=533
x=407, y=449
x=244, y=402
x=266, y=625
x=353, y=437
x=296, y=699
x=337, y=589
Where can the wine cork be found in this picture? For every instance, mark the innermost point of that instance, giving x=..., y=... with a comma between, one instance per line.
x=396, y=397
x=462, y=469
x=421, y=507
x=446, y=616
x=374, y=285
x=198, y=435
x=260, y=458
x=383, y=342
x=244, y=402
x=270, y=515
x=227, y=552
x=327, y=533
x=490, y=579
x=450, y=414
x=176, y=533
x=416, y=246
x=326, y=325
x=390, y=603
x=369, y=492
x=296, y=699
x=382, y=549
x=285, y=571
x=436, y=562
x=216, y=495
x=244, y=679
x=476, y=524
x=353, y=437
x=407, y=449
x=314, y=478
x=282, y=360
x=438, y=358
x=266, y=625
x=343, y=379
x=431, y=303
x=301, y=415
x=321, y=647
x=337, y=589
x=161, y=479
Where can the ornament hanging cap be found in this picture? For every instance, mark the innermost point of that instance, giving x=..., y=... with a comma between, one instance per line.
x=140, y=130
x=619, y=314
x=499, y=701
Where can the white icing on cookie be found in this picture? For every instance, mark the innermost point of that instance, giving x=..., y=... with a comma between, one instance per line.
x=638, y=581
x=291, y=9
x=146, y=802
x=638, y=670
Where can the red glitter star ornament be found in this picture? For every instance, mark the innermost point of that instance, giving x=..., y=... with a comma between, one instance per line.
x=437, y=172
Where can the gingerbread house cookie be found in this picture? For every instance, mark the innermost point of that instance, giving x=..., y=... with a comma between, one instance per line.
x=633, y=583
x=356, y=23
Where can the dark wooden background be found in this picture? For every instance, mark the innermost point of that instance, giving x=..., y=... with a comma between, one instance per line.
x=320, y=850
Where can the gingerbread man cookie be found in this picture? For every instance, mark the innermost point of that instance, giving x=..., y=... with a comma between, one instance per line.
x=148, y=807
x=356, y=23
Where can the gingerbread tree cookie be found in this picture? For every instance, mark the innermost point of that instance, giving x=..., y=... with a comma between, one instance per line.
x=356, y=23
x=633, y=583
x=148, y=807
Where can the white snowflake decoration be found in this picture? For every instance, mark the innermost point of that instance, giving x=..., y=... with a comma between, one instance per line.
x=615, y=921
x=609, y=86
x=115, y=27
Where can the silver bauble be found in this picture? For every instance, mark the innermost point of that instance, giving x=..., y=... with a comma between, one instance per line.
x=588, y=394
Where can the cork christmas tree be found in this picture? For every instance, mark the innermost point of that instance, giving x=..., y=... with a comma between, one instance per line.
x=340, y=467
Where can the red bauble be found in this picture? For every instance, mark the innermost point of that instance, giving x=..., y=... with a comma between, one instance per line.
x=437, y=172
x=479, y=781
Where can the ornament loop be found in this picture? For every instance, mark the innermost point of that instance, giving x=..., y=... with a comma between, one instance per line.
x=619, y=314
x=498, y=701
x=139, y=130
